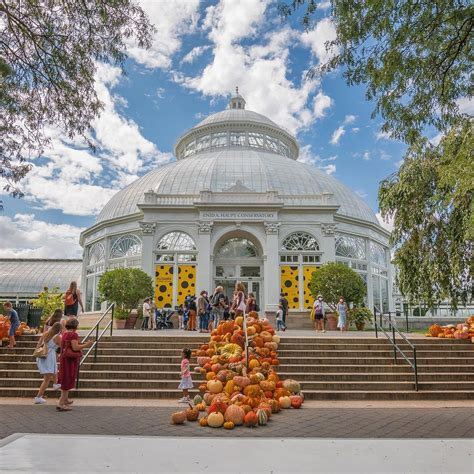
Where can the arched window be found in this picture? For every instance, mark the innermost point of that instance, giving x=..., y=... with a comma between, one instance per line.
x=237, y=248
x=300, y=241
x=377, y=254
x=176, y=241
x=349, y=246
x=96, y=254
x=126, y=246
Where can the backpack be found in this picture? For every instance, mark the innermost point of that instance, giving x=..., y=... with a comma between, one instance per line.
x=70, y=298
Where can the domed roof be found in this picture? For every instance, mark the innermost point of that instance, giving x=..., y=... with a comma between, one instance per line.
x=236, y=115
x=219, y=170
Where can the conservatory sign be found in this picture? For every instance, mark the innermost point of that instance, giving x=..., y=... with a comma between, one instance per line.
x=238, y=215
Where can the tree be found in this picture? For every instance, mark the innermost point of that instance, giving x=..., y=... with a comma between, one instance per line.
x=125, y=287
x=48, y=55
x=334, y=280
x=415, y=59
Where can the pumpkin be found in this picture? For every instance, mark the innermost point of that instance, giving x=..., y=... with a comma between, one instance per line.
x=210, y=376
x=239, y=320
x=267, y=408
x=253, y=364
x=275, y=406
x=262, y=416
x=276, y=339
x=215, y=420
x=235, y=414
x=250, y=419
x=241, y=381
x=216, y=368
x=266, y=336
x=192, y=414
x=252, y=390
x=435, y=329
x=285, y=402
x=275, y=362
x=251, y=331
x=178, y=418
x=292, y=385
x=272, y=346
x=197, y=399
x=217, y=405
x=254, y=379
x=266, y=385
x=228, y=425
x=208, y=397
x=202, y=361
x=222, y=376
x=203, y=421
x=296, y=401
x=214, y=386
x=201, y=406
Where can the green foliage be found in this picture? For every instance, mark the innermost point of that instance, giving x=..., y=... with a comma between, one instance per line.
x=334, y=280
x=48, y=57
x=49, y=301
x=359, y=315
x=125, y=287
x=415, y=58
x=431, y=200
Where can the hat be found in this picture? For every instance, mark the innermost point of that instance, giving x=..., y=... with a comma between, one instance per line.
x=320, y=296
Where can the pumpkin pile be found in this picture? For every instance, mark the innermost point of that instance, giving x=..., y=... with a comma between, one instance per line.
x=239, y=391
x=460, y=331
x=5, y=328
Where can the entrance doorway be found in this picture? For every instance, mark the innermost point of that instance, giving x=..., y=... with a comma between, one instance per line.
x=238, y=259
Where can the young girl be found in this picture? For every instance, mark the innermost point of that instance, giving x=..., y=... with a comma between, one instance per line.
x=342, y=311
x=186, y=380
x=48, y=366
x=57, y=317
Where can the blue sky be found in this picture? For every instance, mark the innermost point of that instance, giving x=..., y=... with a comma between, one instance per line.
x=201, y=52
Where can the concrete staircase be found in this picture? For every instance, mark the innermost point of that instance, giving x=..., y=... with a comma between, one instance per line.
x=328, y=368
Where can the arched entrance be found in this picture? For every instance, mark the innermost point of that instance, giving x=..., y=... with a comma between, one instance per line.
x=239, y=258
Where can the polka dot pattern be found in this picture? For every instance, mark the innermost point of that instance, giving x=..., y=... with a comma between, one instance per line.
x=308, y=297
x=289, y=285
x=186, y=282
x=164, y=286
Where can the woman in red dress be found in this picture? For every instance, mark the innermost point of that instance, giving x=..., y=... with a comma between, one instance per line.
x=69, y=362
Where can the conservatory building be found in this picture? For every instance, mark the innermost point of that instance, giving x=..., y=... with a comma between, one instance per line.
x=236, y=205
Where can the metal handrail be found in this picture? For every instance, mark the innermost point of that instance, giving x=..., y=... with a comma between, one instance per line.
x=98, y=337
x=412, y=363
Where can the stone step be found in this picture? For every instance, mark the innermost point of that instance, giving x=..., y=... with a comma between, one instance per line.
x=300, y=376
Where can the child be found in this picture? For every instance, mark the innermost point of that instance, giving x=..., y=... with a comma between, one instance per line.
x=14, y=323
x=186, y=380
x=279, y=318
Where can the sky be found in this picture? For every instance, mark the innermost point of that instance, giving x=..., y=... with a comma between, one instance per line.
x=200, y=53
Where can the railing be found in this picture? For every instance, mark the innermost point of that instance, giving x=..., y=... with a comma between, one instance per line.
x=396, y=348
x=98, y=337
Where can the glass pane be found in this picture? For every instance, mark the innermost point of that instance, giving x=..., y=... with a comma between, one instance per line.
x=189, y=149
x=250, y=271
x=256, y=140
x=236, y=247
x=300, y=241
x=96, y=254
x=219, y=140
x=384, y=295
x=219, y=271
x=350, y=246
x=376, y=291
x=186, y=258
x=272, y=143
x=377, y=254
x=165, y=257
x=126, y=246
x=255, y=289
x=203, y=143
x=237, y=139
x=176, y=241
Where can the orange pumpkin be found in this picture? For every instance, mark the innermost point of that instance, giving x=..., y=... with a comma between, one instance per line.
x=250, y=419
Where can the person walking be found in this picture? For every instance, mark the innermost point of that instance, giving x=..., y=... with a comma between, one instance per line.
x=146, y=315
x=279, y=319
x=218, y=306
x=202, y=310
x=318, y=311
x=69, y=362
x=152, y=314
x=239, y=303
x=72, y=300
x=284, y=306
x=251, y=303
x=341, y=308
x=48, y=366
x=12, y=315
x=192, y=314
x=56, y=317
x=186, y=380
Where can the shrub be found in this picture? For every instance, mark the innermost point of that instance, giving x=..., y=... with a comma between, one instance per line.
x=49, y=301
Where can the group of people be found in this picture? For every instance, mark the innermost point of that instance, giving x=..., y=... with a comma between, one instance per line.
x=318, y=314
x=58, y=350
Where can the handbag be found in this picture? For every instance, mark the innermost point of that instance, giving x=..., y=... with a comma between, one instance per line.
x=70, y=353
x=41, y=351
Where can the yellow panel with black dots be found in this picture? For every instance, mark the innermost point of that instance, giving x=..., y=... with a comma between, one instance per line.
x=186, y=282
x=164, y=286
x=308, y=271
x=289, y=285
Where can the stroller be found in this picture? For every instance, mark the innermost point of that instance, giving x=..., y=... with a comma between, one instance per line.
x=163, y=318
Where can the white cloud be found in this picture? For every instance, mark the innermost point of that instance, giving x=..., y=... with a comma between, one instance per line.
x=349, y=119
x=260, y=68
x=324, y=5
x=466, y=105
x=355, y=129
x=26, y=237
x=307, y=156
x=316, y=38
x=387, y=224
x=383, y=136
x=337, y=134
x=320, y=104
x=329, y=169
x=195, y=53
x=384, y=156
x=160, y=92
x=361, y=193
x=436, y=139
x=172, y=20
x=366, y=156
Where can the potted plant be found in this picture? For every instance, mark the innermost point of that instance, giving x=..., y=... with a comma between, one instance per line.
x=125, y=287
x=359, y=316
x=334, y=280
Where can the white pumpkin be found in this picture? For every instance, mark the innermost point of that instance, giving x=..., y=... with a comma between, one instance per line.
x=215, y=420
x=215, y=386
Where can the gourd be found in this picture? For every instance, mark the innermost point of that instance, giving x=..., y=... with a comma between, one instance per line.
x=241, y=381
x=214, y=386
x=215, y=420
x=178, y=418
x=292, y=385
x=203, y=421
x=208, y=397
x=217, y=406
x=435, y=330
x=197, y=399
x=296, y=401
x=201, y=406
x=285, y=402
x=250, y=419
x=192, y=414
x=262, y=416
x=235, y=414
x=253, y=364
x=228, y=425
x=202, y=361
x=276, y=339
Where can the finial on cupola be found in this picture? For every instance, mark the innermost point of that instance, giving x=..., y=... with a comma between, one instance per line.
x=237, y=101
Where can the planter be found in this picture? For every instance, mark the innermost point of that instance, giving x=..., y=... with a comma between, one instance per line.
x=131, y=319
x=22, y=310
x=34, y=317
x=360, y=326
x=331, y=324
x=119, y=323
